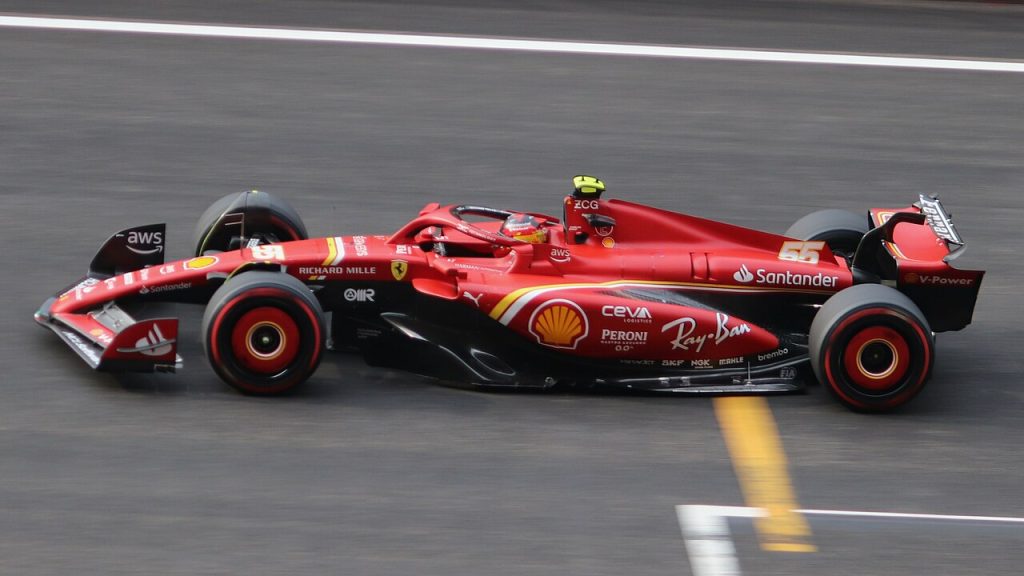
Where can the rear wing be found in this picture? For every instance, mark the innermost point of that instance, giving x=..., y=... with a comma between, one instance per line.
x=108, y=339
x=913, y=249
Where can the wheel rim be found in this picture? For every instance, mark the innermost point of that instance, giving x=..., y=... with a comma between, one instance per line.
x=265, y=340
x=876, y=358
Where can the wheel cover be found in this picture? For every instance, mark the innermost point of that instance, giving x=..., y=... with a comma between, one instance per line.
x=876, y=358
x=265, y=340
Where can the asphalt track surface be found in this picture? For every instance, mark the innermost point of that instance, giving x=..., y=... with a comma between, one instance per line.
x=374, y=472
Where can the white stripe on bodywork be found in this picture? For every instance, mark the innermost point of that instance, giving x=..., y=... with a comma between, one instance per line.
x=339, y=246
x=526, y=298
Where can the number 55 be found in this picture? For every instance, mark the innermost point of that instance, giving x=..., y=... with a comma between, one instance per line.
x=801, y=251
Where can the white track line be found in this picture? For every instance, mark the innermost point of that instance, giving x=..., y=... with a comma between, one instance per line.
x=708, y=541
x=484, y=43
x=711, y=550
x=950, y=517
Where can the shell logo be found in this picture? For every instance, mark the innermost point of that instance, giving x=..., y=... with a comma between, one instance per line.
x=559, y=324
x=201, y=262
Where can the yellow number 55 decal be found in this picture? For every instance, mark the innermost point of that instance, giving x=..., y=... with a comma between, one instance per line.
x=801, y=251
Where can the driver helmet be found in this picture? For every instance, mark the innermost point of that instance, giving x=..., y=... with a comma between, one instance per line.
x=524, y=228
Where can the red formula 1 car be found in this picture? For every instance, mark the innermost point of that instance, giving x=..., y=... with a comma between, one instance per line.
x=612, y=294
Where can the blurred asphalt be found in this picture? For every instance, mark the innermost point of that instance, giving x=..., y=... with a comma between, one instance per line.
x=373, y=472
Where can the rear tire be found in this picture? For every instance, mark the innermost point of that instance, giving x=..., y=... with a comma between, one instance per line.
x=840, y=229
x=872, y=347
x=264, y=332
x=284, y=224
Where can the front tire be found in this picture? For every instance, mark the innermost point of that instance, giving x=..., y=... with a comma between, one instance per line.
x=263, y=332
x=872, y=347
x=280, y=222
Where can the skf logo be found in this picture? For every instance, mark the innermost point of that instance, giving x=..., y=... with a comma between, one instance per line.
x=399, y=268
x=743, y=275
x=559, y=324
x=201, y=262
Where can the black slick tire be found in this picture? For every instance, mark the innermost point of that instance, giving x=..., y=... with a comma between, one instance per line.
x=841, y=230
x=263, y=332
x=284, y=224
x=872, y=347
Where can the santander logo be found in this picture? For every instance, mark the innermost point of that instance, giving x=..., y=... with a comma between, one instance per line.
x=787, y=278
x=743, y=275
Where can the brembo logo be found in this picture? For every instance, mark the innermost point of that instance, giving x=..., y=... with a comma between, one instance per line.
x=787, y=278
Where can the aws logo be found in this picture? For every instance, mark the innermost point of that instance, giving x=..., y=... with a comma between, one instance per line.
x=559, y=324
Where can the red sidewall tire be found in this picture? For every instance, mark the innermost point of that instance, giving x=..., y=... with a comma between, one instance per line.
x=264, y=333
x=872, y=347
x=883, y=390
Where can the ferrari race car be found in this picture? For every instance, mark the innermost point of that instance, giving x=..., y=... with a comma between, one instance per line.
x=612, y=294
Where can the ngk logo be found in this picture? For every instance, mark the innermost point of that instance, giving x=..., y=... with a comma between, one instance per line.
x=359, y=294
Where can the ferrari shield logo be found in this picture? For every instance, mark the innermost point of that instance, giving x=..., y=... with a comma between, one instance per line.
x=399, y=268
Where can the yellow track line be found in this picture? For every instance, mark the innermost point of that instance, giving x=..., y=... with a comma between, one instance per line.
x=760, y=463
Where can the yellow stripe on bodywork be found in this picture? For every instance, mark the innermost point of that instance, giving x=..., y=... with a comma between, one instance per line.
x=760, y=463
x=332, y=252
